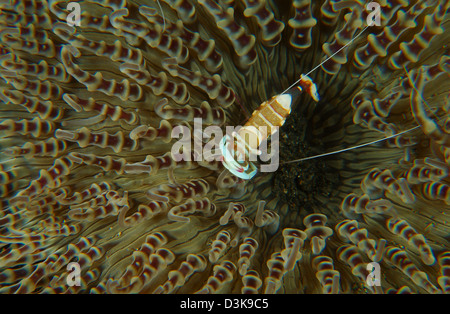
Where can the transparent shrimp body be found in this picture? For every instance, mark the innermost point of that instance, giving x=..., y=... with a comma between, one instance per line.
x=241, y=149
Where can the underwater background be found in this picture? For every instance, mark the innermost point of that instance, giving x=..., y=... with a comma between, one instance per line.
x=88, y=183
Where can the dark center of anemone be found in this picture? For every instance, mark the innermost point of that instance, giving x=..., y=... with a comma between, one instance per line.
x=298, y=184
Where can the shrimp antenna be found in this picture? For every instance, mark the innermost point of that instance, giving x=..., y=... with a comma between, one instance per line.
x=354, y=147
x=317, y=66
x=350, y=148
x=162, y=13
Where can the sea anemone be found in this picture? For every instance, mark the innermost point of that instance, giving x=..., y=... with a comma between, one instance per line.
x=93, y=200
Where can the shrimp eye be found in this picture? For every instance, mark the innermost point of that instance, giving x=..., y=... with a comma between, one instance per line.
x=309, y=86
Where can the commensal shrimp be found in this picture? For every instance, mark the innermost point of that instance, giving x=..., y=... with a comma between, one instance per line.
x=239, y=150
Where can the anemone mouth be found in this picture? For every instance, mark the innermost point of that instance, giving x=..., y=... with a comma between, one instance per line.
x=298, y=184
